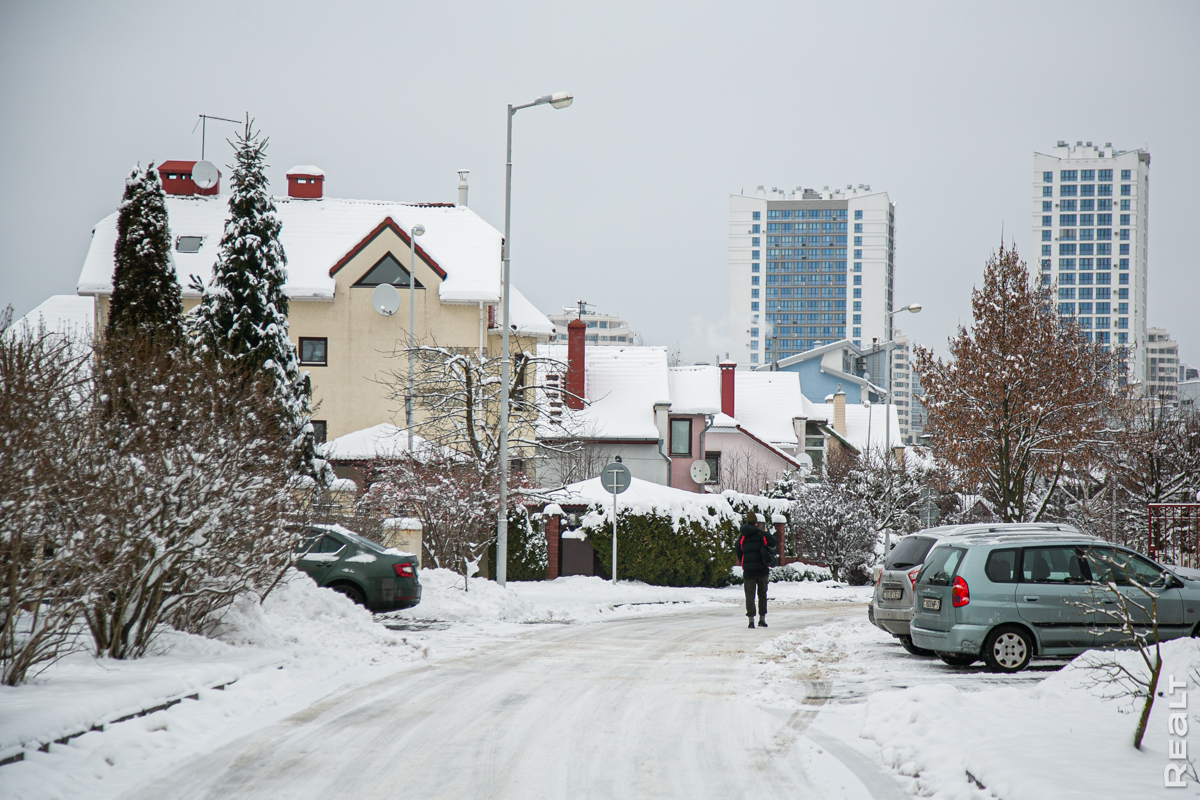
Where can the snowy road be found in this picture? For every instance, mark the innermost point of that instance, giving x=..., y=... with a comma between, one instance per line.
x=659, y=706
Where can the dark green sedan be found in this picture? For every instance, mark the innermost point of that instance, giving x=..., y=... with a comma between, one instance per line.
x=374, y=576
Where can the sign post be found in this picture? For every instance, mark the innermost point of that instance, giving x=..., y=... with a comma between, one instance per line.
x=615, y=478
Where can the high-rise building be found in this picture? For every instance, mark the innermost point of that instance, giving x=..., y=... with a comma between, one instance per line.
x=1162, y=354
x=603, y=329
x=1090, y=214
x=902, y=383
x=817, y=266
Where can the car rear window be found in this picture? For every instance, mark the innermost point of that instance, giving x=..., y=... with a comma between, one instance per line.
x=939, y=569
x=1001, y=566
x=910, y=551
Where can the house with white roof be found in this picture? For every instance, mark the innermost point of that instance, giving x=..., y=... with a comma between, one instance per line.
x=749, y=427
x=338, y=252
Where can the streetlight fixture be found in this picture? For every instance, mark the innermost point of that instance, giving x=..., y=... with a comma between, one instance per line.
x=555, y=100
x=914, y=308
x=417, y=230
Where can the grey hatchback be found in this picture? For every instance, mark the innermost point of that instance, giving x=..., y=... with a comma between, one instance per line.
x=1006, y=599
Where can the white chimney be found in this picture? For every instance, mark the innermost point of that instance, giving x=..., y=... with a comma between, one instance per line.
x=462, y=186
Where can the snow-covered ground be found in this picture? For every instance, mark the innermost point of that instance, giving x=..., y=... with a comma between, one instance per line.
x=1046, y=732
x=573, y=687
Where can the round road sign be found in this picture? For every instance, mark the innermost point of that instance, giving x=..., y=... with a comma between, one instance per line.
x=615, y=477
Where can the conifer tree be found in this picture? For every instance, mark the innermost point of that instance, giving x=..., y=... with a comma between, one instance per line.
x=146, y=293
x=243, y=312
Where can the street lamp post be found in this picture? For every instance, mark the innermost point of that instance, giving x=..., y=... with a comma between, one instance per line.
x=556, y=100
x=915, y=308
x=417, y=230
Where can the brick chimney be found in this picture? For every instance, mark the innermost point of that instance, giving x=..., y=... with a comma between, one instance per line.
x=576, y=369
x=306, y=182
x=176, y=179
x=728, y=376
x=839, y=411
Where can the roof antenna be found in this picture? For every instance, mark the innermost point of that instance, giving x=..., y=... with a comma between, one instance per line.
x=203, y=124
x=582, y=309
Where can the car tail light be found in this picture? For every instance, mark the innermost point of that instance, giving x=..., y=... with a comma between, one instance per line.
x=878, y=574
x=960, y=593
x=405, y=570
x=912, y=577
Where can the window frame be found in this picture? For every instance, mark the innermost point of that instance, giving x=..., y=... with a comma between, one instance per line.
x=671, y=444
x=324, y=340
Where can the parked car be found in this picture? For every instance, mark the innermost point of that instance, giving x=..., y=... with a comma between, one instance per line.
x=891, y=606
x=374, y=576
x=1006, y=599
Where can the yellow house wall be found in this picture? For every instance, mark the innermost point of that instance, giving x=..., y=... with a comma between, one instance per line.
x=346, y=394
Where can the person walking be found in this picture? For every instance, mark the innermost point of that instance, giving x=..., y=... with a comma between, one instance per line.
x=756, y=554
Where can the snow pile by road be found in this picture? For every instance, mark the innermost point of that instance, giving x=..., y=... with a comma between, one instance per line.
x=570, y=599
x=308, y=633
x=938, y=733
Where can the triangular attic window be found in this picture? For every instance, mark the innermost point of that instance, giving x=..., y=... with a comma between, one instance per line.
x=386, y=270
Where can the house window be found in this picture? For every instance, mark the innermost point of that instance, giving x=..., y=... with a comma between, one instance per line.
x=319, y=428
x=714, y=466
x=681, y=437
x=386, y=270
x=188, y=244
x=314, y=352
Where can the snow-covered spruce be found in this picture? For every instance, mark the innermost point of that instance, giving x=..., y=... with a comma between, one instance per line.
x=243, y=312
x=146, y=297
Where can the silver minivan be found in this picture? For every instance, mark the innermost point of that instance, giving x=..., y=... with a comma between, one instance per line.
x=891, y=606
x=1006, y=599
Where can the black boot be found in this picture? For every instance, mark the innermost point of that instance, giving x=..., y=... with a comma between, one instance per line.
x=752, y=622
x=762, y=621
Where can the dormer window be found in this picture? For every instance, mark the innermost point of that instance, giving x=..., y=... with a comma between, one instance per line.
x=386, y=270
x=188, y=244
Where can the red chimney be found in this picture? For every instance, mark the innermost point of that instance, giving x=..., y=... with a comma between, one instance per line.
x=306, y=182
x=728, y=368
x=176, y=179
x=575, y=363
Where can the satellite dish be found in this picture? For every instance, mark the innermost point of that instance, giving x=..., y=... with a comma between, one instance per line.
x=701, y=472
x=806, y=464
x=205, y=175
x=385, y=300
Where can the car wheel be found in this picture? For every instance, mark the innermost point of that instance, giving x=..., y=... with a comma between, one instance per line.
x=351, y=591
x=907, y=643
x=957, y=660
x=1008, y=649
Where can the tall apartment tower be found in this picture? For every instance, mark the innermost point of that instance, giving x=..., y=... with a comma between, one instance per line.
x=1090, y=220
x=815, y=265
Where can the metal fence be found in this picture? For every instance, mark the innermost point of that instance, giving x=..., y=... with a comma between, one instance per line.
x=1173, y=533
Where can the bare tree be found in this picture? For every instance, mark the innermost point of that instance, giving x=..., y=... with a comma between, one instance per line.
x=1125, y=592
x=45, y=393
x=1024, y=396
x=740, y=471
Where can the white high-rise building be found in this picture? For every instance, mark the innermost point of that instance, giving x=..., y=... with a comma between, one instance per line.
x=1090, y=221
x=603, y=329
x=816, y=265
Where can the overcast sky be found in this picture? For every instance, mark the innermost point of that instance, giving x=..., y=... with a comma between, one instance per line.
x=622, y=199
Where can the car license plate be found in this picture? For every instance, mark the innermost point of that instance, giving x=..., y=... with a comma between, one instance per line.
x=931, y=603
x=893, y=594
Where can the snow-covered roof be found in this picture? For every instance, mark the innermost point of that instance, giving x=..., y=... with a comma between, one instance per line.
x=306, y=169
x=316, y=235
x=764, y=402
x=695, y=390
x=66, y=314
x=524, y=316
x=861, y=420
x=379, y=441
x=621, y=385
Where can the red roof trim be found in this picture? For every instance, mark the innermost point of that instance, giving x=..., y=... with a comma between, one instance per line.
x=387, y=224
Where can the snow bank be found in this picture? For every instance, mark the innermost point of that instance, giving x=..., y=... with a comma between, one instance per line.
x=576, y=598
x=300, y=627
x=938, y=733
x=644, y=497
